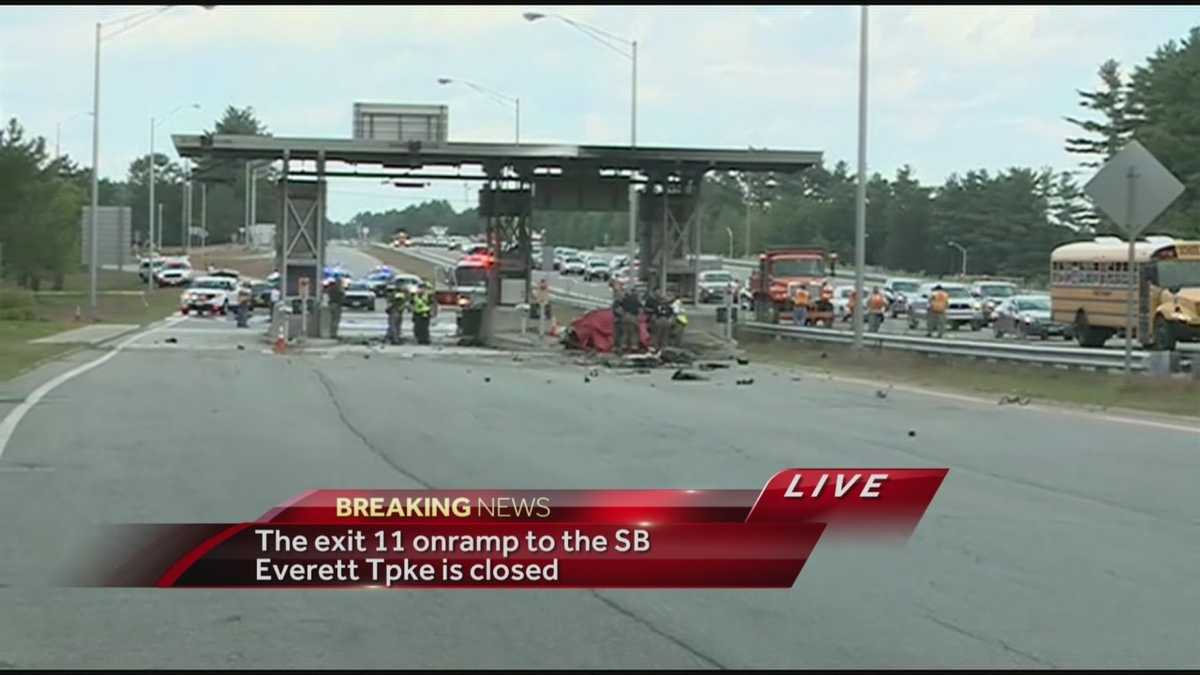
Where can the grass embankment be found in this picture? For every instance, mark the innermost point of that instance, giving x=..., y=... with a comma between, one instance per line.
x=25, y=315
x=255, y=264
x=1176, y=396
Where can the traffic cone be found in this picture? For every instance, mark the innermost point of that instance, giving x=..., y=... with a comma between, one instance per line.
x=280, y=342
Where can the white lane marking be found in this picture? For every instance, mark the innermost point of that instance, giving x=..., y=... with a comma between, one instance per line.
x=9, y=424
x=1040, y=408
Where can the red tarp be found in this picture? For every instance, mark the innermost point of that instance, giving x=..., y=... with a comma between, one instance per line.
x=594, y=331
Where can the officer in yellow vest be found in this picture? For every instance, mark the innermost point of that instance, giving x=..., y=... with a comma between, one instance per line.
x=424, y=308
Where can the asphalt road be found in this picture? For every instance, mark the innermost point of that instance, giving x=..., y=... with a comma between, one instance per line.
x=1057, y=539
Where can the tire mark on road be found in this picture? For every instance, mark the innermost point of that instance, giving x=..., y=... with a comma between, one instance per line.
x=608, y=602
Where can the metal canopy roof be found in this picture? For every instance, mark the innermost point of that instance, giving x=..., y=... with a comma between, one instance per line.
x=526, y=157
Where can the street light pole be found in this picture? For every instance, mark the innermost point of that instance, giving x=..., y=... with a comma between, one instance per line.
x=606, y=39
x=860, y=206
x=730, y=231
x=93, y=258
x=495, y=95
x=964, y=255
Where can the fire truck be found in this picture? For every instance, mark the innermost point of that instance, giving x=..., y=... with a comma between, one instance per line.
x=783, y=271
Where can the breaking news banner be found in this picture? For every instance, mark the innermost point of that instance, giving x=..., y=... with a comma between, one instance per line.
x=524, y=538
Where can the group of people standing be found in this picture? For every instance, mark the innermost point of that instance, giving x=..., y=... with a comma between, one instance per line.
x=420, y=303
x=877, y=305
x=665, y=317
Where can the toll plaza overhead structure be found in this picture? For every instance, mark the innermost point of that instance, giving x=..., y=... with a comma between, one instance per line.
x=519, y=181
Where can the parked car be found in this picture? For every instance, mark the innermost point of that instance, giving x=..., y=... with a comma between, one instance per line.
x=378, y=280
x=1025, y=315
x=409, y=282
x=210, y=294
x=573, y=265
x=714, y=283
x=963, y=310
x=898, y=292
x=841, y=301
x=597, y=270
x=147, y=268
x=359, y=295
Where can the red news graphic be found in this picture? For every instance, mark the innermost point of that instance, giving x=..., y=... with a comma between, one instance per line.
x=531, y=538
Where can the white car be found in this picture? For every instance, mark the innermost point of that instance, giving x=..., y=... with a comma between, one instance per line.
x=597, y=270
x=573, y=265
x=215, y=295
x=173, y=276
x=963, y=310
x=841, y=301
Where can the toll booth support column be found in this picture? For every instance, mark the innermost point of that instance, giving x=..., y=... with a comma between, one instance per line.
x=318, y=325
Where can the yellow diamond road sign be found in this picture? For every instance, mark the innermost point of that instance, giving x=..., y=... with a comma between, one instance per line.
x=1133, y=188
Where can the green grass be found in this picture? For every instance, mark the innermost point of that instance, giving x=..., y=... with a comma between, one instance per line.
x=26, y=316
x=1176, y=396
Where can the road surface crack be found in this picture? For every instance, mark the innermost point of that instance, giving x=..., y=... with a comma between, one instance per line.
x=612, y=604
x=365, y=441
x=979, y=638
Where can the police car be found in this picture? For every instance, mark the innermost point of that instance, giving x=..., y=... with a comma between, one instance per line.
x=213, y=295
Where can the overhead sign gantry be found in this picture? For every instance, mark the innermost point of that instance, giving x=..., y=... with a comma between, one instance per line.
x=519, y=180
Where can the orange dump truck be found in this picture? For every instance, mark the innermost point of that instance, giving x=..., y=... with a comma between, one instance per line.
x=781, y=272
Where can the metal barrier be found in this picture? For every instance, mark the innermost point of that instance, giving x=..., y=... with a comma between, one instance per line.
x=1099, y=359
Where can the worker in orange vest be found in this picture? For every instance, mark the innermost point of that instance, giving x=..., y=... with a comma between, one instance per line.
x=939, y=301
x=876, y=305
x=800, y=306
x=851, y=304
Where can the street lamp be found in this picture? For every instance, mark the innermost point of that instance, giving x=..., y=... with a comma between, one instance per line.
x=127, y=23
x=157, y=242
x=607, y=39
x=495, y=95
x=964, y=255
x=860, y=205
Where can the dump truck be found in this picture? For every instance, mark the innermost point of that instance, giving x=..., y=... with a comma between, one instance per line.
x=781, y=272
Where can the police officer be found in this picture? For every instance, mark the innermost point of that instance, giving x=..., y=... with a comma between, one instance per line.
x=631, y=309
x=337, y=295
x=397, y=300
x=423, y=310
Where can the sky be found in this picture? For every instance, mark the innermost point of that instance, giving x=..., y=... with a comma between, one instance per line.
x=950, y=88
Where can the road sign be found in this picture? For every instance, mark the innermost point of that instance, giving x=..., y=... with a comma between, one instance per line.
x=1133, y=188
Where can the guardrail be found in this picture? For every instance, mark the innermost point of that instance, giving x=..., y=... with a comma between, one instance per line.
x=1099, y=359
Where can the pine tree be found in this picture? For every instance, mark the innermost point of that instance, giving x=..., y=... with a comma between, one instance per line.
x=1115, y=128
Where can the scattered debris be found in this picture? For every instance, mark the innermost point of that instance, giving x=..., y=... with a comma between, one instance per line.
x=587, y=380
x=797, y=379
x=487, y=379
x=241, y=348
x=594, y=372
x=683, y=376
x=749, y=380
x=366, y=356
x=743, y=362
x=674, y=355
x=517, y=358
x=171, y=341
x=824, y=355
x=713, y=366
x=1019, y=400
x=882, y=393
x=912, y=433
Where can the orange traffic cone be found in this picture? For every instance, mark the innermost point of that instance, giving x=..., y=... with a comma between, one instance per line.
x=280, y=342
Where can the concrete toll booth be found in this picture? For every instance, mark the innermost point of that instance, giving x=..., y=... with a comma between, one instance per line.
x=519, y=183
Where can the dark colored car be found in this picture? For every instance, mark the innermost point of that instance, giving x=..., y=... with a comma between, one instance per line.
x=260, y=292
x=1027, y=315
x=359, y=295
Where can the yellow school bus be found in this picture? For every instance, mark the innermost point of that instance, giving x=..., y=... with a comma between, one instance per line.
x=1089, y=284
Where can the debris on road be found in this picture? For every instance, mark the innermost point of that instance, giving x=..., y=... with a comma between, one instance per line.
x=912, y=433
x=487, y=379
x=709, y=365
x=883, y=393
x=241, y=348
x=743, y=362
x=587, y=380
x=1019, y=400
x=749, y=380
x=684, y=376
x=171, y=341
